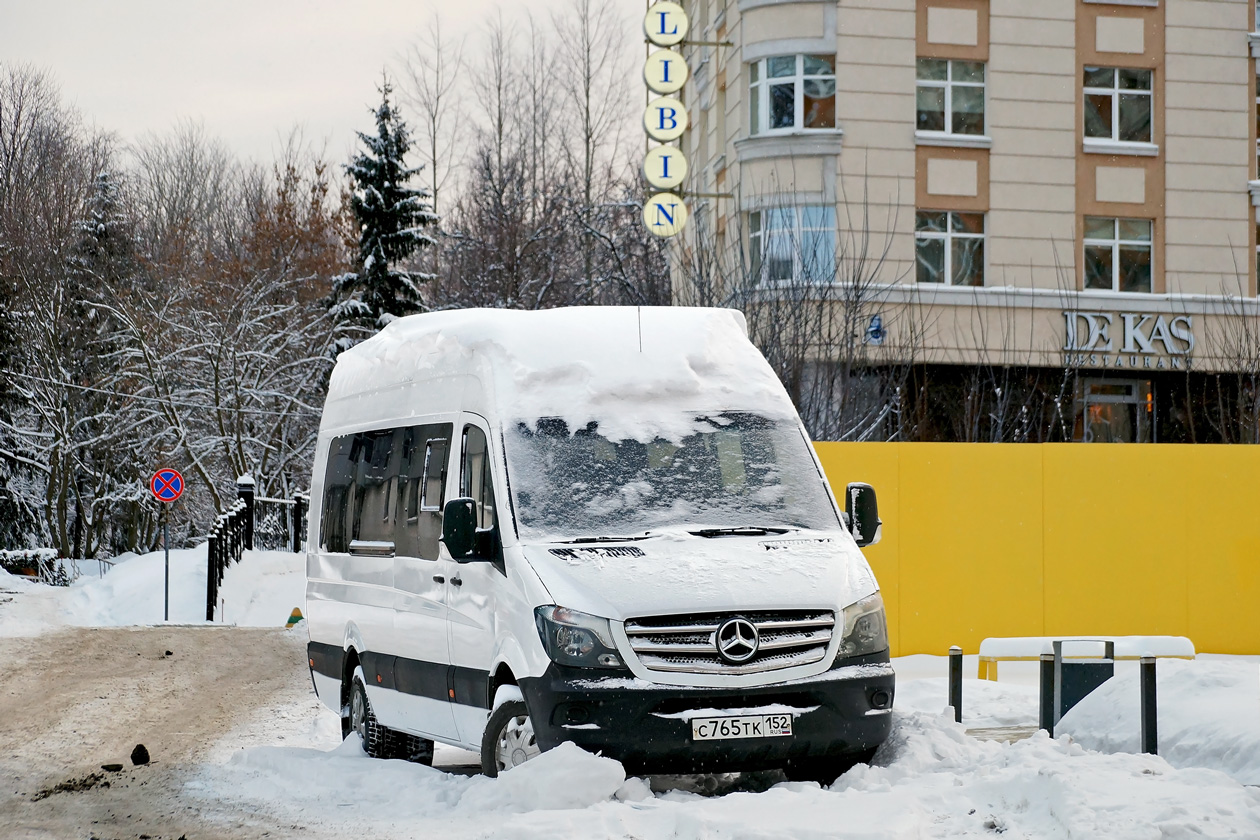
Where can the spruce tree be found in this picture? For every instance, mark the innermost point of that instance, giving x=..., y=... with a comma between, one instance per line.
x=392, y=218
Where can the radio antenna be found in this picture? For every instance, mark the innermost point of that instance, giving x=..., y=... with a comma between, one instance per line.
x=639, y=311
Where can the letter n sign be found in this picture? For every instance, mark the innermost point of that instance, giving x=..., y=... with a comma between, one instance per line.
x=664, y=214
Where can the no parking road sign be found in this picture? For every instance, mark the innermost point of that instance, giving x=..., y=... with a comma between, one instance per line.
x=167, y=484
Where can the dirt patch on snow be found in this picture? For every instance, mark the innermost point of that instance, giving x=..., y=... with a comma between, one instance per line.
x=79, y=699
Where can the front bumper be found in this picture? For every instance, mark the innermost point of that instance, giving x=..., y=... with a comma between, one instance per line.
x=844, y=711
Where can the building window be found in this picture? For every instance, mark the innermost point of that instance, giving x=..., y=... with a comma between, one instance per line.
x=793, y=244
x=792, y=92
x=949, y=247
x=1118, y=104
x=950, y=96
x=1118, y=254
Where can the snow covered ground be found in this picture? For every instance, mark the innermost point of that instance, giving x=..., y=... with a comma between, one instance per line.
x=261, y=591
x=931, y=780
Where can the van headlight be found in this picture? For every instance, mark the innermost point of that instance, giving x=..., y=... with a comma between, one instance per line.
x=865, y=628
x=576, y=638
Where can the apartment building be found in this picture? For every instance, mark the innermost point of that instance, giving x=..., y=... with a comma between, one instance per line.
x=1052, y=185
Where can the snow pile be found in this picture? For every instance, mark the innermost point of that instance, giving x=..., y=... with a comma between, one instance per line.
x=131, y=592
x=13, y=583
x=263, y=589
x=565, y=778
x=260, y=591
x=929, y=780
x=305, y=782
x=985, y=704
x=1208, y=716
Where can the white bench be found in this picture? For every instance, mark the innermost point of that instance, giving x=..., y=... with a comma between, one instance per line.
x=1030, y=648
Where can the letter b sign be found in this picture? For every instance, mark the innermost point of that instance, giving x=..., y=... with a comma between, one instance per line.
x=665, y=119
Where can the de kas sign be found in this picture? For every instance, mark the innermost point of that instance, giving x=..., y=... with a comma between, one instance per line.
x=1128, y=339
x=665, y=118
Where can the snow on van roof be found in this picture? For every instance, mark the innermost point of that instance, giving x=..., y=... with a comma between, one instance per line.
x=636, y=370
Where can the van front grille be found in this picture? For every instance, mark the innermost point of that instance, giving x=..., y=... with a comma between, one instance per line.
x=688, y=643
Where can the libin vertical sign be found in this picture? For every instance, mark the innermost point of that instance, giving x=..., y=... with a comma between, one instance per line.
x=665, y=118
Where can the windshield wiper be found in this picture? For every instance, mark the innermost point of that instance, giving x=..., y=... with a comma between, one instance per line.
x=741, y=531
x=605, y=539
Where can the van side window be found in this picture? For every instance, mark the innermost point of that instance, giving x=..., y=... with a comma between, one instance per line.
x=334, y=529
x=475, y=480
x=376, y=470
x=421, y=487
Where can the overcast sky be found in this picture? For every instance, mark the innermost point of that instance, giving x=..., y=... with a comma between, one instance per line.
x=248, y=70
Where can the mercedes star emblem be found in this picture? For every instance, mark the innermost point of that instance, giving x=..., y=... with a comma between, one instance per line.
x=736, y=640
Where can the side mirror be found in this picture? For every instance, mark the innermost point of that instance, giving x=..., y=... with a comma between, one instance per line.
x=459, y=527
x=862, y=512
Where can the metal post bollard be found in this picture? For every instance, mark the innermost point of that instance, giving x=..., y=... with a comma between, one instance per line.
x=955, y=681
x=1150, y=731
x=1046, y=716
x=245, y=492
x=295, y=530
x=212, y=582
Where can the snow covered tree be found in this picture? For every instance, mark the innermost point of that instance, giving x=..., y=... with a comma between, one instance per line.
x=392, y=218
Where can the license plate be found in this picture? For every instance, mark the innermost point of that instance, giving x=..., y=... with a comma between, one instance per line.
x=741, y=726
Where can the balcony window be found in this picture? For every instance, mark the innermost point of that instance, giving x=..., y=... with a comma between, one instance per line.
x=950, y=96
x=1118, y=254
x=792, y=92
x=793, y=244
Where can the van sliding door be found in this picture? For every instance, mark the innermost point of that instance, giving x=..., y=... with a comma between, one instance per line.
x=420, y=671
x=473, y=588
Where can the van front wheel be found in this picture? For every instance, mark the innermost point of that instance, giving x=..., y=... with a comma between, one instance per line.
x=509, y=739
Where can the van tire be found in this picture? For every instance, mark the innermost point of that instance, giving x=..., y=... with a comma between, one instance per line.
x=409, y=747
x=508, y=740
x=376, y=740
x=826, y=770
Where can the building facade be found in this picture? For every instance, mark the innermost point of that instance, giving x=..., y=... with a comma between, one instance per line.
x=1063, y=188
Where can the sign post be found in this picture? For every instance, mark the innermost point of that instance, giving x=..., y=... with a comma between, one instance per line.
x=167, y=485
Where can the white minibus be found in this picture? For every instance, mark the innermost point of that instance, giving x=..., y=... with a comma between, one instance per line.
x=603, y=525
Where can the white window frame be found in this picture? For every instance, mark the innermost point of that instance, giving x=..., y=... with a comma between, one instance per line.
x=1115, y=92
x=759, y=88
x=948, y=236
x=1115, y=243
x=759, y=237
x=949, y=84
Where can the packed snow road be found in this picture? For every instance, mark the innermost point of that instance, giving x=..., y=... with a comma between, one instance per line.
x=81, y=698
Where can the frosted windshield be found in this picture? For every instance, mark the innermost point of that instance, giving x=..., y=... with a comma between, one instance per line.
x=734, y=470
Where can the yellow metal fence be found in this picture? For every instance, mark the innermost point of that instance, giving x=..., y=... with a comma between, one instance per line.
x=1062, y=539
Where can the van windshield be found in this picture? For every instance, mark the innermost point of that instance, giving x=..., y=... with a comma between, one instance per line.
x=736, y=470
